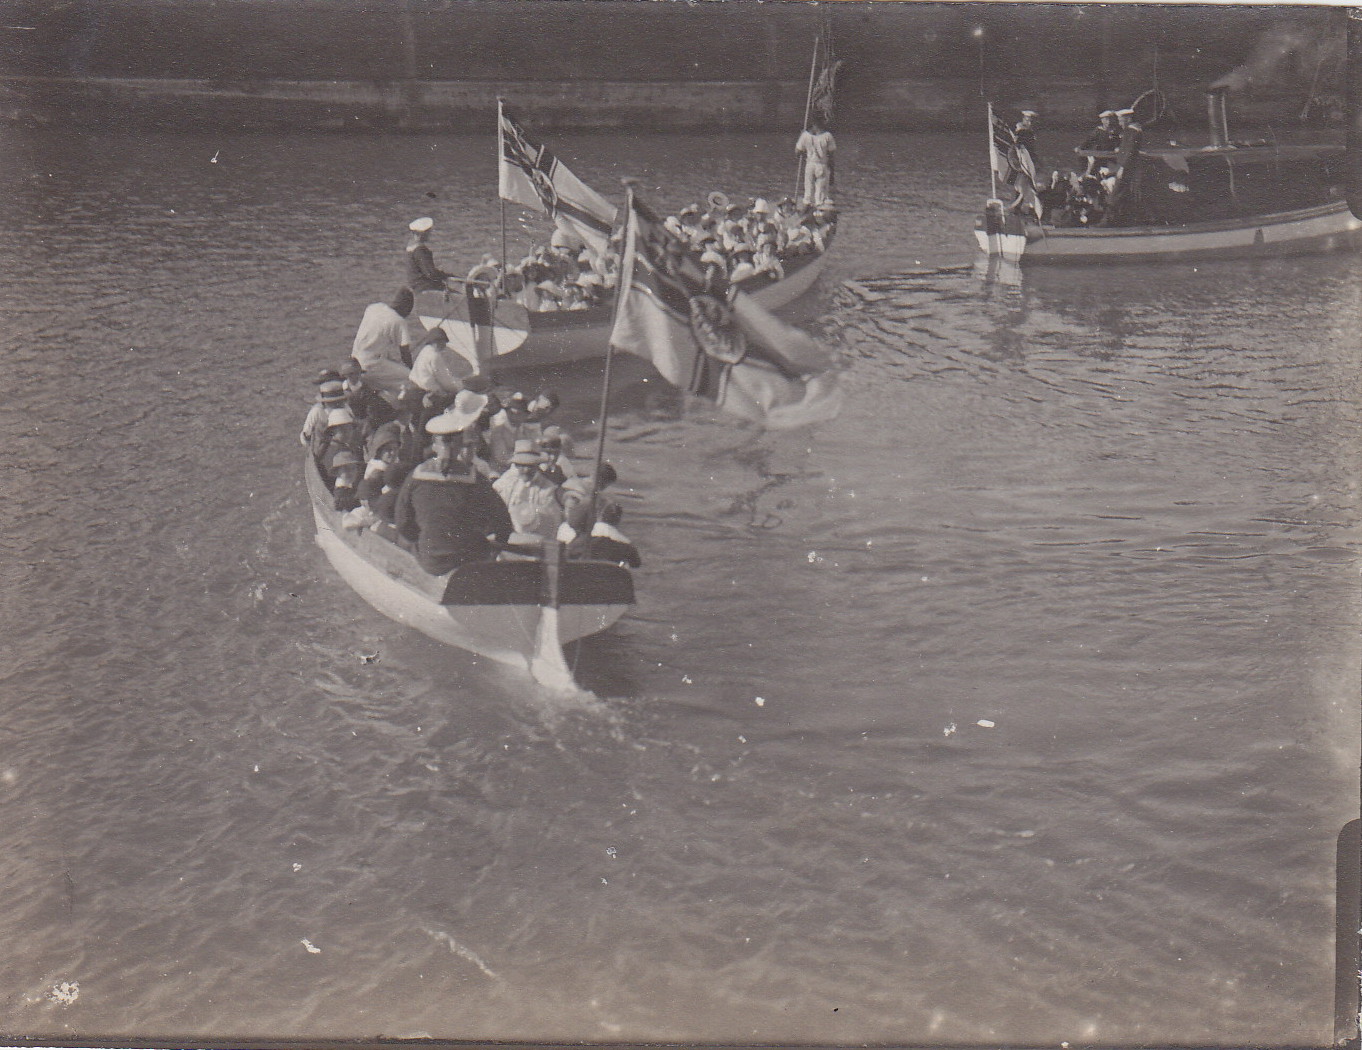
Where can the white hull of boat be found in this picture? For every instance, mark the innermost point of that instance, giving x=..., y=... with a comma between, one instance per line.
x=1326, y=228
x=527, y=637
x=560, y=337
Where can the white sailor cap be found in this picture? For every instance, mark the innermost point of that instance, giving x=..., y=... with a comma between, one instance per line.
x=1029, y=113
x=1125, y=112
x=1107, y=113
x=422, y=224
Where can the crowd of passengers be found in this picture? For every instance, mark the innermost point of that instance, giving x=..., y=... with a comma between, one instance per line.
x=739, y=241
x=1071, y=199
x=457, y=477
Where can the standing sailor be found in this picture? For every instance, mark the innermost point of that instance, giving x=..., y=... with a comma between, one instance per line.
x=1124, y=203
x=1105, y=138
x=818, y=146
x=422, y=273
x=1025, y=135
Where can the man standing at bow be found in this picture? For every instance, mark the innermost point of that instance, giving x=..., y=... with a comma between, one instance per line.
x=818, y=146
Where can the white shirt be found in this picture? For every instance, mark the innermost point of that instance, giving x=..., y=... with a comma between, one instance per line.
x=818, y=147
x=532, y=500
x=381, y=336
x=438, y=369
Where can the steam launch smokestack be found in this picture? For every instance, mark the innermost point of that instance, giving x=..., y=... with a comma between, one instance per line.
x=1218, y=117
x=1353, y=161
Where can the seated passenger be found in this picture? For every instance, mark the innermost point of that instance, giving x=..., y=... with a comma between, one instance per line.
x=488, y=275
x=367, y=405
x=345, y=466
x=341, y=432
x=330, y=394
x=607, y=543
x=743, y=267
x=530, y=496
x=577, y=496
x=767, y=260
x=438, y=369
x=513, y=423
x=447, y=509
x=556, y=449
x=383, y=476
x=715, y=264
x=468, y=414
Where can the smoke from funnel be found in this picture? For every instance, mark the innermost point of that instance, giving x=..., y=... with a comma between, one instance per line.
x=1285, y=50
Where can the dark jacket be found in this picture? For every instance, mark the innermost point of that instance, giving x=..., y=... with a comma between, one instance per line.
x=370, y=408
x=422, y=273
x=450, y=518
x=602, y=548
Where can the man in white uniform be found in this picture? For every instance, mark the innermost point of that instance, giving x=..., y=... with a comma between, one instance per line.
x=818, y=146
x=382, y=345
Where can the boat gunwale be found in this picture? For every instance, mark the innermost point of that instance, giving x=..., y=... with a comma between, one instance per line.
x=1246, y=222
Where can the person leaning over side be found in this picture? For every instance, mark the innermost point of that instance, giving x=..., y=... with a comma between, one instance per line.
x=578, y=494
x=382, y=345
x=446, y=509
x=608, y=543
x=422, y=273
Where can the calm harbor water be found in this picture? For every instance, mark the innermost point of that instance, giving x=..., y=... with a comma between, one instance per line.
x=1019, y=703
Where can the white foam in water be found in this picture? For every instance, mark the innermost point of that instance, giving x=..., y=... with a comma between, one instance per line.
x=459, y=950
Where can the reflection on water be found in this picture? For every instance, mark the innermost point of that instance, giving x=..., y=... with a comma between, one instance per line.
x=1017, y=703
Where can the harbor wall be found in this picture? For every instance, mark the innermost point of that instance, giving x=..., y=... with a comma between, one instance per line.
x=440, y=64
x=911, y=105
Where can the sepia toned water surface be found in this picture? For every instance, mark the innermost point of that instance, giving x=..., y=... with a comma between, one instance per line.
x=1018, y=703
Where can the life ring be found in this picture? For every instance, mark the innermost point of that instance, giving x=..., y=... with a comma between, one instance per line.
x=1149, y=107
x=718, y=199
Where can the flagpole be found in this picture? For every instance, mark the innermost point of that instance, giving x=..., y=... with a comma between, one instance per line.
x=808, y=107
x=992, y=168
x=620, y=292
x=501, y=154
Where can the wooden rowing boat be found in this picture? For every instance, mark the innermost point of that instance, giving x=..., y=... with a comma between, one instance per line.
x=519, y=613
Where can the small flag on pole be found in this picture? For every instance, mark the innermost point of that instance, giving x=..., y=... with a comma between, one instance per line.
x=711, y=339
x=528, y=174
x=1012, y=163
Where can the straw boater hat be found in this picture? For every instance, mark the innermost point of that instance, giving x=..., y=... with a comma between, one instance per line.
x=1107, y=113
x=421, y=225
x=525, y=453
x=1125, y=112
x=461, y=415
x=331, y=392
